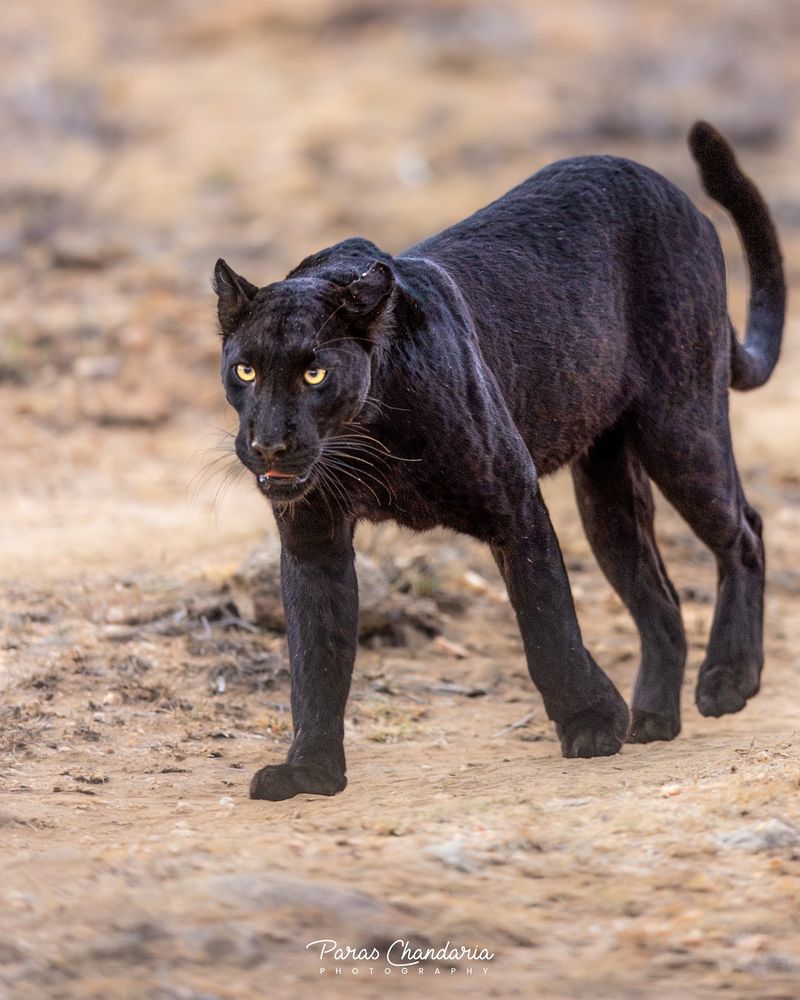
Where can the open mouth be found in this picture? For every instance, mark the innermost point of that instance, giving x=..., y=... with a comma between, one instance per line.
x=283, y=485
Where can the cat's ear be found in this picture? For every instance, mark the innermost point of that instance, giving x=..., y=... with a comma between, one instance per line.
x=234, y=296
x=364, y=296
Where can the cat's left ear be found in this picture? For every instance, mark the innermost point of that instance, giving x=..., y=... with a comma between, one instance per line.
x=370, y=291
x=234, y=296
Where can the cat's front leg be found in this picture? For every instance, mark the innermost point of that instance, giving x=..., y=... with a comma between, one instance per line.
x=590, y=715
x=320, y=597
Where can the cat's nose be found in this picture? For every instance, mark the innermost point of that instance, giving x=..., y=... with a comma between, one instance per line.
x=268, y=452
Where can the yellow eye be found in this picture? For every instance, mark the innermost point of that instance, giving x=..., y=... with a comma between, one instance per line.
x=245, y=373
x=315, y=376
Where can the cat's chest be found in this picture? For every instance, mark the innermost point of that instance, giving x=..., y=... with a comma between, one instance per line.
x=395, y=498
x=423, y=504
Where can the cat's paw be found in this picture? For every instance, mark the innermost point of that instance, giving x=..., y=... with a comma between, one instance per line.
x=723, y=689
x=283, y=781
x=647, y=727
x=595, y=732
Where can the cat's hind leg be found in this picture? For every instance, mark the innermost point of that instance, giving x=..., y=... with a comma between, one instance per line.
x=690, y=457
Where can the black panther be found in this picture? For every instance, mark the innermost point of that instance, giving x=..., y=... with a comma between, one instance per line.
x=579, y=320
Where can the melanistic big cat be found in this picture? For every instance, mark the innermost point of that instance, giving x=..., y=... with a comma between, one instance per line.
x=581, y=319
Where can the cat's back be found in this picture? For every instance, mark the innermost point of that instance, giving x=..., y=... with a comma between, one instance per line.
x=551, y=275
x=575, y=206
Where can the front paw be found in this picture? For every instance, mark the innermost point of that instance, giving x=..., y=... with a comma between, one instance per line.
x=647, y=727
x=724, y=688
x=595, y=732
x=283, y=781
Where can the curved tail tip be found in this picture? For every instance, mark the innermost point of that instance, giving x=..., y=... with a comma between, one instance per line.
x=709, y=147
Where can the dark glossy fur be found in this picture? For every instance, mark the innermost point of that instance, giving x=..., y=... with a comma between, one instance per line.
x=579, y=320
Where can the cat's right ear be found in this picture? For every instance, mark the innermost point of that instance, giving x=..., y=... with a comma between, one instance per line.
x=234, y=296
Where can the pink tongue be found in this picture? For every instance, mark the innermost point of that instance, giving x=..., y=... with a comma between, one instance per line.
x=274, y=474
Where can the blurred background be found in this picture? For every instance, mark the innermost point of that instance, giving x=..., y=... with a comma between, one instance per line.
x=142, y=140
x=139, y=689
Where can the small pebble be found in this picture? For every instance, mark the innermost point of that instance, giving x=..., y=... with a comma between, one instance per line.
x=442, y=645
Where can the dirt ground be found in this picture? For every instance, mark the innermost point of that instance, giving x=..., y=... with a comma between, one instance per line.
x=141, y=141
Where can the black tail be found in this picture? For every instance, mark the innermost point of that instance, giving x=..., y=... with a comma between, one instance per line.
x=751, y=362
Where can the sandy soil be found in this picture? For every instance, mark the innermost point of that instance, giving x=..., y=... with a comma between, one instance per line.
x=135, y=703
